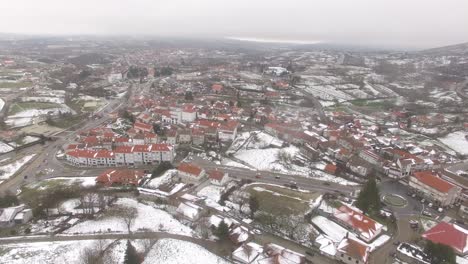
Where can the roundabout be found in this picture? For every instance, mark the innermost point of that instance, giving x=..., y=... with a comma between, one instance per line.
x=394, y=200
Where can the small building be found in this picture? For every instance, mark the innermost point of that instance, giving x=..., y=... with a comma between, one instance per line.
x=448, y=234
x=10, y=216
x=435, y=188
x=218, y=177
x=351, y=251
x=365, y=227
x=247, y=253
x=331, y=169
x=191, y=173
x=189, y=211
x=120, y=177
x=239, y=235
x=412, y=254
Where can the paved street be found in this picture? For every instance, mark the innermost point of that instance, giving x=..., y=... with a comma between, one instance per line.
x=271, y=177
x=45, y=155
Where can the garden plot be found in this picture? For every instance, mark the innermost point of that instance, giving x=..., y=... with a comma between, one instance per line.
x=17, y=109
x=278, y=200
x=172, y=251
x=147, y=218
x=457, y=141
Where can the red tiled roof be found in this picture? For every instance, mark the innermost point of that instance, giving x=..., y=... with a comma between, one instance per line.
x=143, y=126
x=190, y=168
x=427, y=178
x=217, y=87
x=330, y=168
x=354, y=249
x=123, y=176
x=216, y=174
x=450, y=235
x=366, y=226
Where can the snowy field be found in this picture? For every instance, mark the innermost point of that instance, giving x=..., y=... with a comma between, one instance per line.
x=10, y=169
x=211, y=192
x=4, y=147
x=45, y=252
x=323, y=176
x=148, y=217
x=457, y=142
x=270, y=160
x=171, y=251
x=254, y=140
x=158, y=181
x=85, y=182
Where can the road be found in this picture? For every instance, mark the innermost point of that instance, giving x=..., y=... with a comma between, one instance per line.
x=277, y=178
x=45, y=159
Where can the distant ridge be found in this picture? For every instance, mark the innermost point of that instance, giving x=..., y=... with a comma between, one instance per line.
x=457, y=49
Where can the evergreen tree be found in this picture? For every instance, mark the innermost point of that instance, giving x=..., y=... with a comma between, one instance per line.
x=253, y=204
x=131, y=256
x=222, y=231
x=439, y=253
x=369, y=198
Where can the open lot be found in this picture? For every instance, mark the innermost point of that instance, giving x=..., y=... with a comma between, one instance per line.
x=277, y=200
x=23, y=106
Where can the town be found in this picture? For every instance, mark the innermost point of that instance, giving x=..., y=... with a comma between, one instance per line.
x=232, y=152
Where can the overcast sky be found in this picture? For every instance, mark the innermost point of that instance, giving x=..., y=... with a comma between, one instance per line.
x=411, y=23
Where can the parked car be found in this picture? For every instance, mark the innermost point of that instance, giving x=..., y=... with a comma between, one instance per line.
x=277, y=177
x=426, y=213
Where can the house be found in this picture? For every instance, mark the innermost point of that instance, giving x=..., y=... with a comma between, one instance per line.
x=171, y=137
x=190, y=173
x=449, y=234
x=185, y=136
x=217, y=88
x=123, y=155
x=365, y=227
x=371, y=157
x=120, y=177
x=278, y=254
x=198, y=136
x=435, y=188
x=218, y=177
x=351, y=251
x=11, y=216
x=239, y=234
x=331, y=168
x=142, y=127
x=247, y=253
x=359, y=166
x=189, y=211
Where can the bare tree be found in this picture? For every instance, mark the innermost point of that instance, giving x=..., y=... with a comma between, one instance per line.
x=128, y=215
